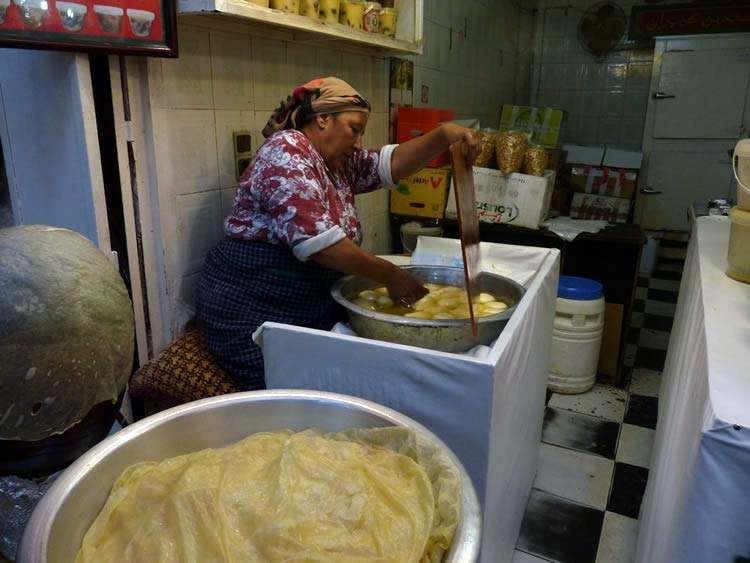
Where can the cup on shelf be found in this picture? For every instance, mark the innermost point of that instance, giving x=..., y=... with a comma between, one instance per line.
x=352, y=12
x=289, y=6
x=309, y=8
x=388, y=21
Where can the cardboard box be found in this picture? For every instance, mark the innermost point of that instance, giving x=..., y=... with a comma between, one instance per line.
x=580, y=154
x=609, y=354
x=560, y=203
x=601, y=180
x=415, y=122
x=423, y=194
x=592, y=206
x=517, y=199
x=555, y=159
x=544, y=124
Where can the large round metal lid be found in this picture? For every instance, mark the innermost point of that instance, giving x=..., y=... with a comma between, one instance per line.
x=579, y=289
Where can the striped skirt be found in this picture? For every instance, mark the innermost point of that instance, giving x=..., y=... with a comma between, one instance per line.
x=246, y=283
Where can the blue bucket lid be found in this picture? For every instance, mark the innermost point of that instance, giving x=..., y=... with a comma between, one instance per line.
x=579, y=289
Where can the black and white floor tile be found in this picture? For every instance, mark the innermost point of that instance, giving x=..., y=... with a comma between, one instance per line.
x=596, y=447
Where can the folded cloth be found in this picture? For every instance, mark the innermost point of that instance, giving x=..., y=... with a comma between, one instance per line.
x=568, y=229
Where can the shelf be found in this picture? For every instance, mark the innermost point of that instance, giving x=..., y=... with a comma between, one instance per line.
x=233, y=15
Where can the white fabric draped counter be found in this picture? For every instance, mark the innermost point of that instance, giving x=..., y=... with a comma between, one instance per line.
x=488, y=410
x=697, y=502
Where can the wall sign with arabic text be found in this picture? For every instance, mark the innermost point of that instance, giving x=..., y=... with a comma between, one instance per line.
x=647, y=22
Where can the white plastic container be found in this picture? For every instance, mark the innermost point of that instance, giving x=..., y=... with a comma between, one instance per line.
x=576, y=335
x=649, y=255
x=411, y=231
x=738, y=256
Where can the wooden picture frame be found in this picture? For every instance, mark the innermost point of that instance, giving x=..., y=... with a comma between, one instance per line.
x=128, y=27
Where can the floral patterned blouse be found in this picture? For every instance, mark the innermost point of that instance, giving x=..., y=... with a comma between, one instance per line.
x=288, y=196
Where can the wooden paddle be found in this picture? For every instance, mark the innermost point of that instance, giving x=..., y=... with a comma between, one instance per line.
x=468, y=224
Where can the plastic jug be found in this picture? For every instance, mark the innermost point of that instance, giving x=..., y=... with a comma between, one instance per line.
x=741, y=167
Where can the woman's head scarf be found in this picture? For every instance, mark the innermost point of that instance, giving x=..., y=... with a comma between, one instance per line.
x=322, y=95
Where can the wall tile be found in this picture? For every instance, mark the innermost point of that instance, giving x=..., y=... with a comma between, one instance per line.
x=356, y=70
x=589, y=128
x=636, y=103
x=231, y=71
x=639, y=76
x=632, y=130
x=591, y=103
x=199, y=228
x=613, y=103
x=270, y=73
x=301, y=61
x=186, y=81
x=329, y=62
x=227, y=201
x=228, y=121
x=609, y=131
x=188, y=138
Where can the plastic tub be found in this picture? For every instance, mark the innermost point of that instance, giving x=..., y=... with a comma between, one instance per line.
x=411, y=231
x=352, y=13
x=328, y=11
x=289, y=6
x=738, y=256
x=388, y=21
x=576, y=335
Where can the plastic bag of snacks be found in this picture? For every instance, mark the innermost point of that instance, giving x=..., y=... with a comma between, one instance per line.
x=510, y=149
x=535, y=161
x=486, y=158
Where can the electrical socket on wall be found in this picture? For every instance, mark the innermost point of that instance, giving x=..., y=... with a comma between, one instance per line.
x=243, y=151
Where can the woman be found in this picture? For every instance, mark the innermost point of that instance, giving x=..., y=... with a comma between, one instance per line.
x=294, y=229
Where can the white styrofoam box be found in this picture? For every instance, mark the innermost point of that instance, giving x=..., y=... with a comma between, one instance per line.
x=228, y=121
x=231, y=71
x=270, y=79
x=580, y=154
x=184, y=82
x=516, y=199
x=199, y=228
x=186, y=158
x=618, y=158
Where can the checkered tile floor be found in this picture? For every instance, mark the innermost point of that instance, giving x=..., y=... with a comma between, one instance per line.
x=596, y=447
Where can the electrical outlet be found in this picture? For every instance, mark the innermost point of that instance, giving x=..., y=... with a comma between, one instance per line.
x=242, y=143
x=240, y=164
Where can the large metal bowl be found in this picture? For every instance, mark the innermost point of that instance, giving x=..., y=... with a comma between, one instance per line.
x=446, y=335
x=59, y=522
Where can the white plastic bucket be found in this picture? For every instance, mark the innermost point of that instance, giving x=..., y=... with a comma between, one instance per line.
x=412, y=230
x=576, y=335
x=649, y=255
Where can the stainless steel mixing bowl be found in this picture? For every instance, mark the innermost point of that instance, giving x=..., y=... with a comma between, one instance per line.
x=57, y=526
x=446, y=335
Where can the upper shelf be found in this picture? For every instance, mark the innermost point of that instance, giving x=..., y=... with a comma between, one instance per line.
x=226, y=14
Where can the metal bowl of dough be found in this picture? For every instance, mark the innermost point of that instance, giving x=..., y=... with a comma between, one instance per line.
x=451, y=335
x=60, y=520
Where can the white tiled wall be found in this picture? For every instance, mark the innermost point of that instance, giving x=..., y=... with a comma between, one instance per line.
x=224, y=82
x=471, y=55
x=606, y=100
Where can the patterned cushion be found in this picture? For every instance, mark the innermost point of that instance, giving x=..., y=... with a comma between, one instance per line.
x=185, y=371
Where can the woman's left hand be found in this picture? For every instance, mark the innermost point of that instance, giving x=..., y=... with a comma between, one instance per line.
x=455, y=133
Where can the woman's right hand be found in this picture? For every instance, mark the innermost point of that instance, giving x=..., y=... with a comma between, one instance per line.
x=404, y=288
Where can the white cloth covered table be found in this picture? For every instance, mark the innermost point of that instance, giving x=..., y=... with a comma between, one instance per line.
x=489, y=411
x=697, y=502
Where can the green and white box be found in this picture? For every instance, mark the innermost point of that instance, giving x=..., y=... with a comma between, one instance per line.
x=515, y=199
x=543, y=124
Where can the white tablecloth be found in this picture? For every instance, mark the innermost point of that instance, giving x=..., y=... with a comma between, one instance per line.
x=488, y=410
x=697, y=501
